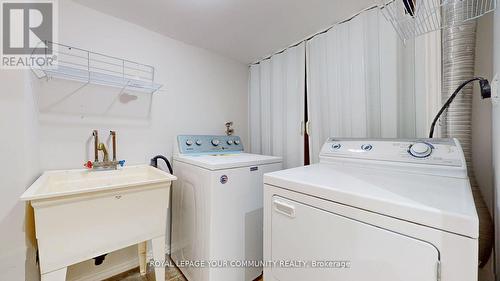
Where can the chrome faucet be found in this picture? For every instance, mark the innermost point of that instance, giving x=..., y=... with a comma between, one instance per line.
x=105, y=164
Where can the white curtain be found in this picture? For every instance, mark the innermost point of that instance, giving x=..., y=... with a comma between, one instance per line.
x=276, y=101
x=361, y=83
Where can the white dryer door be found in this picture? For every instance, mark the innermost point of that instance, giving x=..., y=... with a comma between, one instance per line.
x=304, y=233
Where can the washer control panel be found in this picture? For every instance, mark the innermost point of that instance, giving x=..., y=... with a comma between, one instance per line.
x=442, y=152
x=209, y=144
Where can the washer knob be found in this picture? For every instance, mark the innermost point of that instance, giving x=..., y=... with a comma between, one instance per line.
x=189, y=142
x=237, y=142
x=229, y=142
x=215, y=142
x=420, y=150
x=198, y=142
x=366, y=147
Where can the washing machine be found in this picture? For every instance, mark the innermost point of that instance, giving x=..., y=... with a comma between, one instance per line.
x=378, y=210
x=217, y=208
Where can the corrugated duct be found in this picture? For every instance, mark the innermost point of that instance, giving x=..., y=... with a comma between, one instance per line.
x=458, y=54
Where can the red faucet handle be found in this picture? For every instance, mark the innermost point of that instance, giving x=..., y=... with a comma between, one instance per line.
x=88, y=165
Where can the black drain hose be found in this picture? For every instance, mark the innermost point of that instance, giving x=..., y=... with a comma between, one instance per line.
x=154, y=162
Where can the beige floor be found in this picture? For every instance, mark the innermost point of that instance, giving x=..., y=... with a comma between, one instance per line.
x=172, y=274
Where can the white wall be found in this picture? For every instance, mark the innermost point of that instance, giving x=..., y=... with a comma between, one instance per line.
x=18, y=169
x=201, y=91
x=496, y=141
x=481, y=110
x=50, y=122
x=481, y=123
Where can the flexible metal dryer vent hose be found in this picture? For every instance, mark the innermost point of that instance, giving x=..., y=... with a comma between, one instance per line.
x=458, y=55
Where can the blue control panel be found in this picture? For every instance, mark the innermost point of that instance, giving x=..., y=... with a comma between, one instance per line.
x=209, y=144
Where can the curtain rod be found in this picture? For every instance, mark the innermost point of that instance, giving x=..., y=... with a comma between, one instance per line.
x=314, y=35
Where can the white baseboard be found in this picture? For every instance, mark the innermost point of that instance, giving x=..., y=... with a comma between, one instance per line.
x=111, y=271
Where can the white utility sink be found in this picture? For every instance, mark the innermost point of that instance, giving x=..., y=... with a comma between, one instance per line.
x=81, y=214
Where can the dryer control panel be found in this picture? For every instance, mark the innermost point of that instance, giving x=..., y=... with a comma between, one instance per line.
x=209, y=144
x=407, y=154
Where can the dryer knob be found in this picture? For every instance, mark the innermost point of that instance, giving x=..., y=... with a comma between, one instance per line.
x=189, y=142
x=420, y=150
x=199, y=142
x=336, y=146
x=237, y=142
x=229, y=142
x=215, y=142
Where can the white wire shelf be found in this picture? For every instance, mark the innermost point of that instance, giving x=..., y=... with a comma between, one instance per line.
x=93, y=68
x=412, y=18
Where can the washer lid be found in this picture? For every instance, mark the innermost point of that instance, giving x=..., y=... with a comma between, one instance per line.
x=227, y=161
x=444, y=203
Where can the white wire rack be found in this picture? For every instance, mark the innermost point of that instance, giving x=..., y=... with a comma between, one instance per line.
x=95, y=68
x=412, y=18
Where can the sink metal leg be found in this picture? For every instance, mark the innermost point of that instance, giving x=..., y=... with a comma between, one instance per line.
x=57, y=275
x=159, y=257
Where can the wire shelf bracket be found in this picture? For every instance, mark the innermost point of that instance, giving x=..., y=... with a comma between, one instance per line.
x=412, y=18
x=94, y=68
